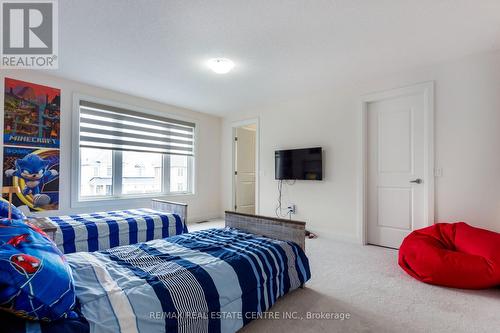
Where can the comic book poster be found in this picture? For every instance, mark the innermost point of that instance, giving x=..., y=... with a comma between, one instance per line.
x=36, y=172
x=32, y=114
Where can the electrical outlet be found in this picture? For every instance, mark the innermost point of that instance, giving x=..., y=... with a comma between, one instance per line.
x=292, y=208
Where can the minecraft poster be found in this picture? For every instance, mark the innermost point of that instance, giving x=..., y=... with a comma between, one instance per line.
x=32, y=114
x=36, y=172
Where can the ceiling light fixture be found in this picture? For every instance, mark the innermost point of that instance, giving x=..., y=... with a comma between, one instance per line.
x=221, y=65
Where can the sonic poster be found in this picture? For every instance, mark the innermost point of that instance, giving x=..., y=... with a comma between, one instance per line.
x=32, y=114
x=36, y=172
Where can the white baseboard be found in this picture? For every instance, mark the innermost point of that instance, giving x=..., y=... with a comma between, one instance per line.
x=334, y=236
x=204, y=217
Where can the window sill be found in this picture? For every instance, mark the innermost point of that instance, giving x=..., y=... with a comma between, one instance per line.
x=110, y=201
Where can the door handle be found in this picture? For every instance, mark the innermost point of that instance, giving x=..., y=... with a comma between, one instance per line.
x=416, y=181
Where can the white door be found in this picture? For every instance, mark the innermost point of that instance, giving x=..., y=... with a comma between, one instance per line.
x=245, y=170
x=396, y=168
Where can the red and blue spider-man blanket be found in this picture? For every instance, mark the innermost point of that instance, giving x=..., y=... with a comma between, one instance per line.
x=35, y=280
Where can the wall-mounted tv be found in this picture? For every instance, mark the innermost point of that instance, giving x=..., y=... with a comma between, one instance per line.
x=300, y=164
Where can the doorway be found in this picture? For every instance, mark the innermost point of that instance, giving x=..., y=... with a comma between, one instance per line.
x=398, y=164
x=245, y=164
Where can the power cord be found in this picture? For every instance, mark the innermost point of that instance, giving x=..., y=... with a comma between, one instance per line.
x=279, y=207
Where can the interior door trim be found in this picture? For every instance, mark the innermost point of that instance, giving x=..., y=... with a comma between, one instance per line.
x=234, y=126
x=427, y=89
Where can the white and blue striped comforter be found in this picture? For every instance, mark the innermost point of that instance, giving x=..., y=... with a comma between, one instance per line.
x=214, y=280
x=104, y=230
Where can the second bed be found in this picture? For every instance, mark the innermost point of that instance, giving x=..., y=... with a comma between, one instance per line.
x=214, y=280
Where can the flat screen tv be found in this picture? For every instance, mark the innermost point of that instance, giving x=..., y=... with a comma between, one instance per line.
x=299, y=164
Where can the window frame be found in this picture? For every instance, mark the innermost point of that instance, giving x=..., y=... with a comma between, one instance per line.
x=77, y=201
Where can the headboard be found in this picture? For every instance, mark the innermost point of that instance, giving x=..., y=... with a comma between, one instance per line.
x=171, y=207
x=271, y=227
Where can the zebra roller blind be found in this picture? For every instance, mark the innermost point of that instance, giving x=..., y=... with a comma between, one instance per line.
x=109, y=127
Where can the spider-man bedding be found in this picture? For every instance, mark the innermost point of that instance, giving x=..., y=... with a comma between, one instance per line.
x=213, y=280
x=35, y=280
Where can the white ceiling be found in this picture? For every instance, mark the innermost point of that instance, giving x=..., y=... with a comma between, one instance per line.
x=282, y=48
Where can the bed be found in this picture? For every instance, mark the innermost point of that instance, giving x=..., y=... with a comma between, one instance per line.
x=104, y=230
x=214, y=280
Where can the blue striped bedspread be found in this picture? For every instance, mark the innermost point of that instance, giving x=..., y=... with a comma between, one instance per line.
x=214, y=280
x=104, y=230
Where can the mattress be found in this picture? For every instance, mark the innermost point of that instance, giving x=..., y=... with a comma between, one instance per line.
x=214, y=280
x=104, y=230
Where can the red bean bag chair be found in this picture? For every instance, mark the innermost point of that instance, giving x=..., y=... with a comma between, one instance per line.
x=453, y=255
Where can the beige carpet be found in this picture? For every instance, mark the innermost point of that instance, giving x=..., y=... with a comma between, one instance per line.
x=366, y=282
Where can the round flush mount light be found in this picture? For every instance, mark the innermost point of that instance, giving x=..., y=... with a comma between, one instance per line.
x=220, y=65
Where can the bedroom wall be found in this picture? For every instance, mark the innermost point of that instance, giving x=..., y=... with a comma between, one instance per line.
x=203, y=205
x=467, y=139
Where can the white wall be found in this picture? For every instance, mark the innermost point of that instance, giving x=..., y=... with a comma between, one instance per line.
x=467, y=106
x=204, y=204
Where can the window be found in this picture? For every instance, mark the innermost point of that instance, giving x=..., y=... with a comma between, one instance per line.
x=124, y=153
x=178, y=176
x=93, y=171
x=142, y=172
